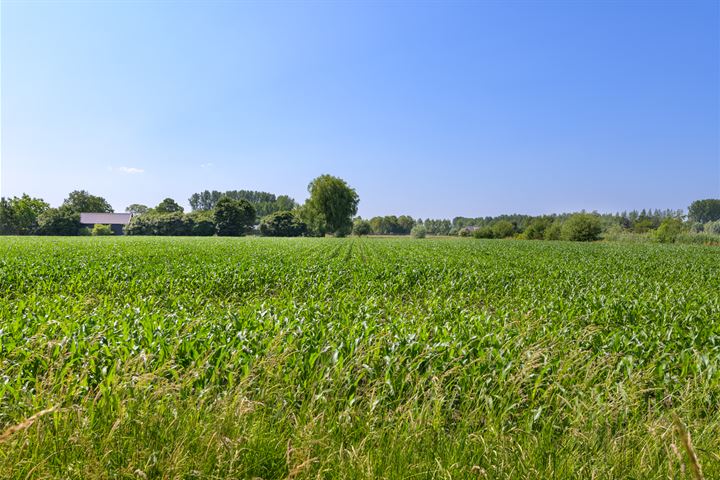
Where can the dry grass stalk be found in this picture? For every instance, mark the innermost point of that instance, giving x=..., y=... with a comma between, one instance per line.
x=684, y=435
x=24, y=424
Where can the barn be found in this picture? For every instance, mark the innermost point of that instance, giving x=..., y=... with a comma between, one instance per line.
x=116, y=220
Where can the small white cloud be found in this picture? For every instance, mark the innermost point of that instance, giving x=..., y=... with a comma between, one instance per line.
x=130, y=170
x=206, y=165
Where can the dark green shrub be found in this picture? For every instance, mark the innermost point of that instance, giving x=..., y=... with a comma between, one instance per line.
x=139, y=225
x=169, y=224
x=282, y=224
x=101, y=230
x=202, y=223
x=233, y=217
x=537, y=227
x=361, y=227
x=59, y=221
x=418, y=231
x=669, y=230
x=484, y=232
x=503, y=229
x=203, y=228
x=342, y=231
x=554, y=231
x=643, y=225
x=581, y=227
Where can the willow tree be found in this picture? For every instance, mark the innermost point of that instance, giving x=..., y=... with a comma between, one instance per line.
x=331, y=206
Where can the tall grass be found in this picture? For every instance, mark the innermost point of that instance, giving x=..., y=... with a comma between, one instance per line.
x=357, y=358
x=699, y=239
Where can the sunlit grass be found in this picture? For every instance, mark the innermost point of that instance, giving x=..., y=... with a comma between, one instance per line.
x=347, y=358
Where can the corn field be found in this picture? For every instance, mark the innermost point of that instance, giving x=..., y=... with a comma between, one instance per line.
x=210, y=358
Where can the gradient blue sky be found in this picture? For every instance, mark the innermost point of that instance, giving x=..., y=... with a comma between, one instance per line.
x=433, y=109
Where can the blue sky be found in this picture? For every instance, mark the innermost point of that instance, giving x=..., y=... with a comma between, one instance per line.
x=433, y=109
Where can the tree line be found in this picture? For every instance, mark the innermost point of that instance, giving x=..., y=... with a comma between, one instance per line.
x=264, y=203
x=331, y=209
x=703, y=217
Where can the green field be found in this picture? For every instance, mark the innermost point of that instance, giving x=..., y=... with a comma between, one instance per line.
x=357, y=358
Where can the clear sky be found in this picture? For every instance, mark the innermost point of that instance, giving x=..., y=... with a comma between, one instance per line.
x=433, y=109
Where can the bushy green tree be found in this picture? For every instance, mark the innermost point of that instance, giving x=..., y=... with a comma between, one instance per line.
x=643, y=224
x=554, y=231
x=169, y=205
x=7, y=222
x=59, y=221
x=392, y=225
x=331, y=205
x=669, y=230
x=503, y=229
x=19, y=215
x=405, y=224
x=233, y=217
x=314, y=220
x=284, y=203
x=361, y=227
x=81, y=201
x=137, y=209
x=282, y=224
x=202, y=223
x=138, y=226
x=438, y=227
x=264, y=203
x=484, y=232
x=704, y=211
x=582, y=227
x=536, y=229
x=172, y=224
x=378, y=225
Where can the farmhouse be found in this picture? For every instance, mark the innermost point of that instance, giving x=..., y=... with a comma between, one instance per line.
x=116, y=220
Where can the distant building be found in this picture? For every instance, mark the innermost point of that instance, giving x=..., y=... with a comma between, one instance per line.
x=116, y=220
